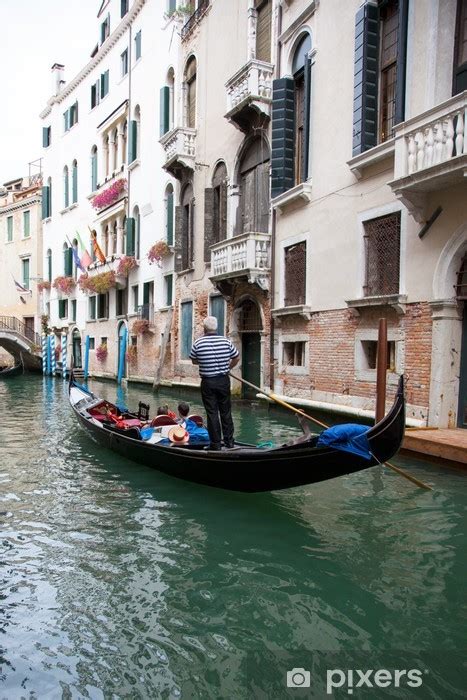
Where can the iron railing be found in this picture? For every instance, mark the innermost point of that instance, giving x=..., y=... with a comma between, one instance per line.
x=382, y=255
x=11, y=323
x=195, y=17
x=146, y=313
x=295, y=275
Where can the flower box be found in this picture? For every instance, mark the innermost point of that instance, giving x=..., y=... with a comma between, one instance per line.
x=64, y=285
x=110, y=195
x=158, y=252
x=98, y=284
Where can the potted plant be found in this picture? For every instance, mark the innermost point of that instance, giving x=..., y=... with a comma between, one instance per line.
x=101, y=352
x=98, y=284
x=140, y=326
x=125, y=265
x=110, y=195
x=132, y=354
x=45, y=324
x=43, y=285
x=64, y=285
x=158, y=252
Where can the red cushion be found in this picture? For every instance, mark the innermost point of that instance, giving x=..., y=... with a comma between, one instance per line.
x=162, y=420
x=131, y=422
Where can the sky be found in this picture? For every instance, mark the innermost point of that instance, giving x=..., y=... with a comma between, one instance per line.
x=35, y=34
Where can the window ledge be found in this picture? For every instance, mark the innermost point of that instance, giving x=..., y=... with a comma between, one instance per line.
x=185, y=271
x=298, y=310
x=134, y=164
x=162, y=309
x=300, y=194
x=69, y=208
x=47, y=219
x=396, y=301
x=294, y=370
x=357, y=164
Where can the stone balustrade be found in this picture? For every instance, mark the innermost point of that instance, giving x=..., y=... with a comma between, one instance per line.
x=249, y=93
x=247, y=255
x=180, y=144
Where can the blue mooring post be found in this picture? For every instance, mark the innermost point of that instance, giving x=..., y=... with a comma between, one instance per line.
x=121, y=359
x=44, y=354
x=86, y=359
x=49, y=356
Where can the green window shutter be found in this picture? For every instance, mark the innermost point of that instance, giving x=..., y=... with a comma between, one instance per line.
x=164, y=109
x=123, y=8
x=283, y=135
x=94, y=172
x=68, y=262
x=130, y=236
x=49, y=267
x=170, y=218
x=172, y=5
x=66, y=190
x=169, y=289
x=26, y=224
x=9, y=224
x=104, y=84
x=132, y=141
x=45, y=202
x=61, y=308
x=92, y=308
x=186, y=329
x=365, y=112
x=401, y=69
x=74, y=184
x=46, y=136
x=146, y=295
x=66, y=120
x=138, y=45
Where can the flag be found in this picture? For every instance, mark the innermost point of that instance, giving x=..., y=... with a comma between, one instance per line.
x=86, y=259
x=96, y=248
x=20, y=288
x=76, y=259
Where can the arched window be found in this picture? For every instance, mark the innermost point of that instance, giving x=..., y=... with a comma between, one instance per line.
x=254, y=187
x=301, y=71
x=137, y=225
x=49, y=265
x=169, y=214
x=74, y=180
x=75, y=257
x=105, y=241
x=190, y=83
x=113, y=247
x=67, y=260
x=134, y=138
x=188, y=211
x=124, y=131
x=219, y=214
x=114, y=142
x=93, y=168
x=461, y=286
x=66, y=187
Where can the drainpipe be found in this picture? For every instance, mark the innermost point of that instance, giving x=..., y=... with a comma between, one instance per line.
x=277, y=73
x=130, y=66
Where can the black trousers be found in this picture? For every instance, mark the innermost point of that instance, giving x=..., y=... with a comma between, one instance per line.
x=215, y=392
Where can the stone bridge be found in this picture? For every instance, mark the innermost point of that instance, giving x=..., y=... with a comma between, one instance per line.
x=21, y=342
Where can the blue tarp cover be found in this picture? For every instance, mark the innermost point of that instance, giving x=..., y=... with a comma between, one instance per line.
x=349, y=437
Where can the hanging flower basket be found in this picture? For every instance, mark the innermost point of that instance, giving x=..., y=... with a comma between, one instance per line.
x=158, y=252
x=45, y=324
x=43, y=285
x=110, y=195
x=132, y=354
x=101, y=352
x=140, y=326
x=125, y=265
x=65, y=285
x=98, y=284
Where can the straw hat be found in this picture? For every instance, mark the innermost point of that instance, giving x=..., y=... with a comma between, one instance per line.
x=178, y=435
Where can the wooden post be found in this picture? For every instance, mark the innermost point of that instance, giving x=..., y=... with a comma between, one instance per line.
x=381, y=366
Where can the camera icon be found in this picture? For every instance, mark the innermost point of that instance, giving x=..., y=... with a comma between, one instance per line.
x=298, y=678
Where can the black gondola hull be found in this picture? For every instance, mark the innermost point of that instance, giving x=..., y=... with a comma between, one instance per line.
x=11, y=371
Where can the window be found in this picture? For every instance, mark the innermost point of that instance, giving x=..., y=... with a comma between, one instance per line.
x=102, y=306
x=263, y=30
x=67, y=261
x=134, y=296
x=104, y=80
x=73, y=310
x=169, y=215
x=188, y=212
x=389, y=18
x=63, y=308
x=295, y=274
x=370, y=353
x=460, y=49
x=49, y=265
x=164, y=110
x=120, y=301
x=46, y=136
x=133, y=149
x=190, y=82
x=92, y=343
x=124, y=63
x=92, y=308
x=293, y=354
x=25, y=265
x=123, y=7
x=94, y=169
x=70, y=117
x=47, y=199
x=186, y=330
x=168, y=290
x=138, y=45
x=95, y=92
x=26, y=224
x=9, y=229
x=74, y=182
x=105, y=29
x=254, y=187
x=219, y=213
x=66, y=187
x=382, y=255
x=217, y=309
x=103, y=340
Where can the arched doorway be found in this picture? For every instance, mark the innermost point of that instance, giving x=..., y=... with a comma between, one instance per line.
x=461, y=294
x=249, y=327
x=76, y=349
x=122, y=340
x=253, y=178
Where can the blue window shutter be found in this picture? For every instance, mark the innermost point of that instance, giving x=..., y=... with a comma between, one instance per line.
x=218, y=311
x=164, y=109
x=365, y=116
x=170, y=218
x=130, y=236
x=283, y=135
x=132, y=141
x=187, y=329
x=45, y=202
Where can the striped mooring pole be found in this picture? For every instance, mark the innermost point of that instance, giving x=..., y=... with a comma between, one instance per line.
x=49, y=361
x=53, y=361
x=44, y=353
x=64, y=355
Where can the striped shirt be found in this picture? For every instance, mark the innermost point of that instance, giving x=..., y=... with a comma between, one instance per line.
x=213, y=353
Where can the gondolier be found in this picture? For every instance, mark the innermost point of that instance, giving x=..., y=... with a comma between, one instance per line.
x=215, y=355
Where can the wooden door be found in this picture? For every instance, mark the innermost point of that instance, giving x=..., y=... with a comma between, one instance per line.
x=29, y=327
x=263, y=30
x=251, y=363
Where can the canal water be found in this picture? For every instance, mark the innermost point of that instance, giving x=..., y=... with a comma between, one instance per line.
x=120, y=582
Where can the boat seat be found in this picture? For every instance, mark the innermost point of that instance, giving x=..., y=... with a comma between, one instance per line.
x=143, y=411
x=101, y=417
x=131, y=422
x=197, y=419
x=162, y=420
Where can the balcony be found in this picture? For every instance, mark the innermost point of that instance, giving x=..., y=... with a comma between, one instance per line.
x=194, y=19
x=249, y=95
x=179, y=146
x=110, y=265
x=430, y=154
x=242, y=257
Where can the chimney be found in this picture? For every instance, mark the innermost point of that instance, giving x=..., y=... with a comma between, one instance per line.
x=58, y=78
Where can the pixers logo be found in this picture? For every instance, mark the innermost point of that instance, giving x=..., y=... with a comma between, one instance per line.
x=351, y=679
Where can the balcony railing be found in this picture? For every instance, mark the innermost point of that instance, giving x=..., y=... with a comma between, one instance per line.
x=247, y=255
x=146, y=313
x=180, y=148
x=249, y=93
x=11, y=323
x=431, y=152
x=193, y=20
x=110, y=265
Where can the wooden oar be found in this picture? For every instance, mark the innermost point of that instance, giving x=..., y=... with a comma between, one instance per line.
x=297, y=411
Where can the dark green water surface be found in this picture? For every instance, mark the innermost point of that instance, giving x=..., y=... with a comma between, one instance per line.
x=120, y=582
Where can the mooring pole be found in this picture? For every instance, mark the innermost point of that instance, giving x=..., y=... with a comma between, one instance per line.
x=381, y=366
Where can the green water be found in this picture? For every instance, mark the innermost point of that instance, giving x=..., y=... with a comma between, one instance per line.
x=120, y=582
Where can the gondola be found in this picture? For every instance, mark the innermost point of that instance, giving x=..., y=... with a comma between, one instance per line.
x=246, y=468
x=7, y=372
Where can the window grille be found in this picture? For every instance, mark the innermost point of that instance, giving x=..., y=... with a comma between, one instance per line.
x=389, y=49
x=295, y=274
x=250, y=317
x=461, y=286
x=293, y=354
x=382, y=255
